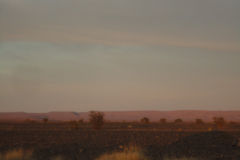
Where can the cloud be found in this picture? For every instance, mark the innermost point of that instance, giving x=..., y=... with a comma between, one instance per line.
x=203, y=24
x=103, y=37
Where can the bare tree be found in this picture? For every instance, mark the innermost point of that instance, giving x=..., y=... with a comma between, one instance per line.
x=96, y=119
x=144, y=120
x=179, y=120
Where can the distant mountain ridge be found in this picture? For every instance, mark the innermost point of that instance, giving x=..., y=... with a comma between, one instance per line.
x=186, y=115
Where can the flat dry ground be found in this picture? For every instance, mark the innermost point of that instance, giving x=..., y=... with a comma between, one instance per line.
x=83, y=142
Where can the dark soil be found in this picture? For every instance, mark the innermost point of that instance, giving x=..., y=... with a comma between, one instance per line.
x=49, y=140
x=208, y=146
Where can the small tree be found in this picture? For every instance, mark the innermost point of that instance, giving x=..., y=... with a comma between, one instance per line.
x=45, y=120
x=81, y=121
x=163, y=120
x=199, y=121
x=219, y=121
x=96, y=119
x=179, y=120
x=74, y=125
x=30, y=121
x=144, y=120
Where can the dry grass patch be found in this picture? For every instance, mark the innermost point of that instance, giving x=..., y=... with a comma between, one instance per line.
x=17, y=154
x=183, y=158
x=129, y=153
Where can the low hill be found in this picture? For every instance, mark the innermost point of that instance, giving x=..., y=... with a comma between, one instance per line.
x=186, y=115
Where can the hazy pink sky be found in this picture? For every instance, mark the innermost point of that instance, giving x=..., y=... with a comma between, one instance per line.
x=119, y=55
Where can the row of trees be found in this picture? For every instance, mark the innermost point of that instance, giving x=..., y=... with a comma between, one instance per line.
x=97, y=120
x=217, y=120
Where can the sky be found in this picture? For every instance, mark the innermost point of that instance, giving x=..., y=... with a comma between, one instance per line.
x=82, y=55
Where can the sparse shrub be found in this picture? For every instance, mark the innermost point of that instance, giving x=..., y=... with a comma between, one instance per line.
x=45, y=120
x=144, y=120
x=183, y=158
x=179, y=120
x=129, y=153
x=219, y=121
x=74, y=125
x=29, y=121
x=199, y=121
x=81, y=121
x=96, y=119
x=163, y=120
x=57, y=158
x=210, y=129
x=17, y=154
x=130, y=126
x=179, y=129
x=232, y=123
